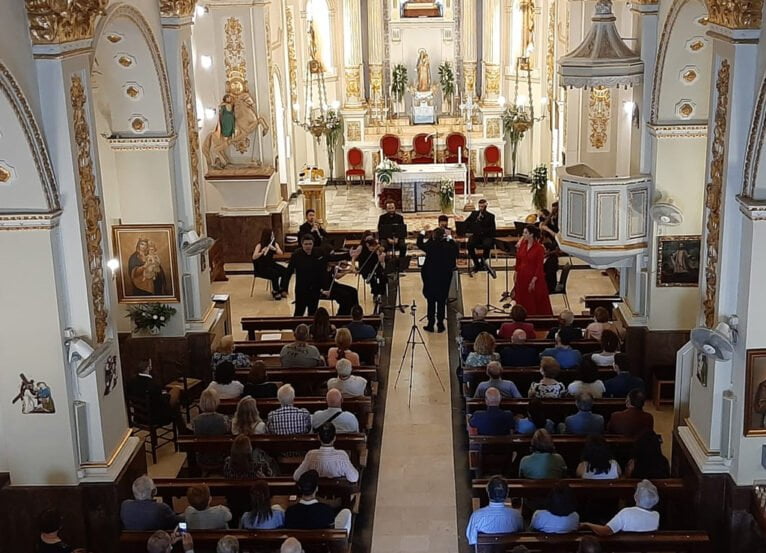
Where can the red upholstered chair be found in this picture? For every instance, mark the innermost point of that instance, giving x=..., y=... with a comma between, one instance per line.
x=492, y=162
x=423, y=148
x=390, y=144
x=456, y=141
x=354, y=161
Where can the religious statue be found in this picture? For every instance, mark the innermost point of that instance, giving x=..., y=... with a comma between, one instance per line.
x=315, y=53
x=424, y=71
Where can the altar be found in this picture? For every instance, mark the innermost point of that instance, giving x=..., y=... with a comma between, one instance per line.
x=416, y=187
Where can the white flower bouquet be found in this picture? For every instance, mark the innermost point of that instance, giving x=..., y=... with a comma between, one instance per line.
x=386, y=169
x=446, y=194
x=150, y=316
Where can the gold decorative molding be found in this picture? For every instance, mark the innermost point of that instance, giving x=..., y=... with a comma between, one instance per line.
x=550, y=59
x=469, y=72
x=352, y=75
x=493, y=128
x=492, y=79
x=599, y=116
x=93, y=213
x=60, y=21
x=376, y=82
x=114, y=38
x=685, y=110
x=234, y=56
x=527, y=8
x=354, y=131
x=193, y=137
x=375, y=159
x=689, y=76
x=696, y=45
x=292, y=60
x=714, y=194
x=177, y=8
x=273, y=70
x=5, y=174
x=138, y=124
x=735, y=14
x=125, y=61
x=21, y=221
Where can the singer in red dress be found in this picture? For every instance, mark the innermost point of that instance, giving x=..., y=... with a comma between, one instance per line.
x=530, y=289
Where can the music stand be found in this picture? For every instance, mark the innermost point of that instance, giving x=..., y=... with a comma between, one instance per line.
x=398, y=231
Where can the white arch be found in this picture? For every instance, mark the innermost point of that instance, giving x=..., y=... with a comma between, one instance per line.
x=755, y=143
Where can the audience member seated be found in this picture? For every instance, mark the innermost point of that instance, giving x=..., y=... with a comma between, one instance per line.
x=518, y=354
x=483, y=351
x=493, y=421
x=247, y=420
x=162, y=542
x=647, y=460
x=291, y=545
x=327, y=461
x=50, y=523
x=497, y=517
x=350, y=385
x=534, y=420
x=165, y=406
x=358, y=328
x=543, y=463
x=564, y=353
x=588, y=544
x=309, y=513
x=640, y=518
x=566, y=321
x=224, y=382
x=548, y=387
x=633, y=421
x=256, y=385
x=288, y=419
x=244, y=463
x=621, y=384
x=560, y=514
x=210, y=423
x=262, y=514
x=519, y=316
x=600, y=324
x=200, y=515
x=225, y=352
x=609, y=344
x=470, y=331
x=495, y=374
x=299, y=353
x=143, y=512
x=227, y=544
x=588, y=381
x=597, y=463
x=584, y=423
x=321, y=330
x=343, y=421
x=341, y=351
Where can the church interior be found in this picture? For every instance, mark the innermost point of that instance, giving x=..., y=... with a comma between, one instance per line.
x=455, y=260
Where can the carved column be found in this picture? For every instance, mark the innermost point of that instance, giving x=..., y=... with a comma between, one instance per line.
x=375, y=47
x=491, y=42
x=469, y=47
x=352, y=52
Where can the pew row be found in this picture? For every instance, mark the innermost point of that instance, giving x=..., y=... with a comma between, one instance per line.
x=666, y=541
x=555, y=409
x=313, y=541
x=251, y=325
x=523, y=377
x=361, y=407
x=367, y=349
x=583, y=346
x=540, y=322
x=312, y=382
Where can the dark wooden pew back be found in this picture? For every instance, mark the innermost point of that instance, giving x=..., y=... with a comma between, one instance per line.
x=367, y=349
x=253, y=324
x=361, y=407
x=669, y=541
x=555, y=409
x=524, y=376
x=313, y=541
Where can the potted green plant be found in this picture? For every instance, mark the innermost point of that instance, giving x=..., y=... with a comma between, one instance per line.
x=332, y=133
x=447, y=84
x=398, y=82
x=150, y=317
x=540, y=187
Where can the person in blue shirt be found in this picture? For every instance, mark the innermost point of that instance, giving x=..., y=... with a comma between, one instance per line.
x=621, y=384
x=584, y=423
x=568, y=357
x=358, y=328
x=495, y=374
x=519, y=354
x=560, y=515
x=534, y=420
x=497, y=517
x=493, y=421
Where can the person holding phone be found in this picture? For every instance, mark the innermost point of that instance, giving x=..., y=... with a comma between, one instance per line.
x=162, y=542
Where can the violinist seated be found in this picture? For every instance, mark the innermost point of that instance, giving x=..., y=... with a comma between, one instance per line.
x=370, y=258
x=346, y=296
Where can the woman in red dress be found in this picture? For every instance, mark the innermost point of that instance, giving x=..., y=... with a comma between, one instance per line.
x=529, y=278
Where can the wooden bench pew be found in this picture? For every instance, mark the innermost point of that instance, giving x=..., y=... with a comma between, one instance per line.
x=251, y=325
x=313, y=382
x=367, y=349
x=313, y=541
x=523, y=377
x=489, y=455
x=361, y=407
x=692, y=541
x=555, y=409
x=542, y=324
x=583, y=346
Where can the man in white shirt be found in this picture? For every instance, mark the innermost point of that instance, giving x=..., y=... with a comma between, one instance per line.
x=343, y=421
x=328, y=461
x=348, y=384
x=496, y=518
x=640, y=518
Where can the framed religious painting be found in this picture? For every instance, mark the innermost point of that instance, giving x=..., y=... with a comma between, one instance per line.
x=148, y=271
x=755, y=393
x=678, y=261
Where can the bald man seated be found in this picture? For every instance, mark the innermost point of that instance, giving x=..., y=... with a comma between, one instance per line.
x=343, y=421
x=291, y=545
x=493, y=421
x=519, y=354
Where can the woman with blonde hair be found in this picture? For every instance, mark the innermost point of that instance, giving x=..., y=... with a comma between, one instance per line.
x=225, y=352
x=341, y=351
x=247, y=420
x=483, y=351
x=210, y=423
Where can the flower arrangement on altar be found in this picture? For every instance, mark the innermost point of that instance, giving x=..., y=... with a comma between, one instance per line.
x=446, y=195
x=150, y=316
x=517, y=121
x=539, y=187
x=333, y=128
x=386, y=169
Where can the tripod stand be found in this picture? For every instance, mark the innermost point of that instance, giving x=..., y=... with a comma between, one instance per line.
x=415, y=338
x=401, y=264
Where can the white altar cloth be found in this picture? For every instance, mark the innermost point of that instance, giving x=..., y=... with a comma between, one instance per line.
x=420, y=184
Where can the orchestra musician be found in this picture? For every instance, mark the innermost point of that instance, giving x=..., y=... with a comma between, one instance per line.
x=371, y=263
x=309, y=265
x=444, y=222
x=481, y=224
x=311, y=226
x=346, y=296
x=437, y=271
x=391, y=220
x=264, y=265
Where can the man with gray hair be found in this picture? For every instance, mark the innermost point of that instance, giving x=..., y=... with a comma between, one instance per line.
x=496, y=518
x=519, y=354
x=227, y=544
x=343, y=421
x=349, y=385
x=288, y=419
x=299, y=354
x=493, y=421
x=584, y=423
x=640, y=518
x=566, y=320
x=495, y=374
x=291, y=545
x=162, y=542
x=478, y=324
x=143, y=513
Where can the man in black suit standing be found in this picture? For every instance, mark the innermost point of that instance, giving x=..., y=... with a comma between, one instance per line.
x=312, y=227
x=441, y=259
x=481, y=225
x=165, y=407
x=310, y=266
x=390, y=224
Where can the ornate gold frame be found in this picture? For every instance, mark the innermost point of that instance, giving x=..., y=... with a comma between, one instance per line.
x=752, y=356
x=686, y=238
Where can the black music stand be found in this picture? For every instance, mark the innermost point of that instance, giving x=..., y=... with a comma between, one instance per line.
x=398, y=231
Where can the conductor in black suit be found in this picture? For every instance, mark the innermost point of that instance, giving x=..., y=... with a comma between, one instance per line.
x=389, y=218
x=481, y=224
x=441, y=259
x=309, y=265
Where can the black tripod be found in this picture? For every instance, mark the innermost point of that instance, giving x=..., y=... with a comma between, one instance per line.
x=491, y=272
x=415, y=338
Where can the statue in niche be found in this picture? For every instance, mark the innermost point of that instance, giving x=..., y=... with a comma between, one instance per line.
x=315, y=51
x=424, y=71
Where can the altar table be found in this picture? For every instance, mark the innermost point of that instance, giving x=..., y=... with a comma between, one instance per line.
x=419, y=184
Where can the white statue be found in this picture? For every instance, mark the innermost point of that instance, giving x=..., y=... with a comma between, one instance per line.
x=424, y=71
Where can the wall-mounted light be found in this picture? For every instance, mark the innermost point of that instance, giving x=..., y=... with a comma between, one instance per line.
x=206, y=62
x=335, y=104
x=113, y=265
x=544, y=101
x=201, y=10
x=501, y=100
x=209, y=114
x=628, y=107
x=522, y=101
x=631, y=110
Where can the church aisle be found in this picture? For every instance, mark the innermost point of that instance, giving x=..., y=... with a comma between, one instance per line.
x=415, y=506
